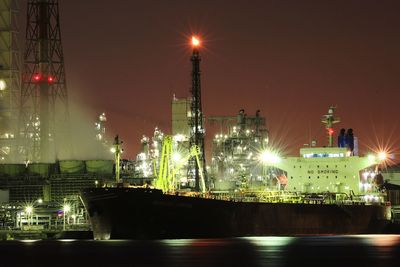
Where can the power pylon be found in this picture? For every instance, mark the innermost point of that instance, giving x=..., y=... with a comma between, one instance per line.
x=44, y=116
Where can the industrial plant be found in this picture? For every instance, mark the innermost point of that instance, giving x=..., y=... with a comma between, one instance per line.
x=42, y=174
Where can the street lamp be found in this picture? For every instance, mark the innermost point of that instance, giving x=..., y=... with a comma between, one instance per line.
x=66, y=209
x=29, y=212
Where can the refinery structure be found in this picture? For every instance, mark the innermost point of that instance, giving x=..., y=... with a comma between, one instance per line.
x=41, y=176
x=10, y=74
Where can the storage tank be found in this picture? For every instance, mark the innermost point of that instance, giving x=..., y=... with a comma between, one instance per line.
x=100, y=166
x=4, y=196
x=12, y=169
x=72, y=166
x=42, y=169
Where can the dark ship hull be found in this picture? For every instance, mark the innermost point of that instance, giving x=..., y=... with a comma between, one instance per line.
x=139, y=213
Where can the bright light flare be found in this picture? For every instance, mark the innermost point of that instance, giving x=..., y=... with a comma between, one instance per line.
x=195, y=41
x=385, y=142
x=66, y=208
x=176, y=157
x=28, y=209
x=382, y=156
x=268, y=156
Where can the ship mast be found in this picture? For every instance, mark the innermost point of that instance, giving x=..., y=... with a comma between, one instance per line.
x=329, y=120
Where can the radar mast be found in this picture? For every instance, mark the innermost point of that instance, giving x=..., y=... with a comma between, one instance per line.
x=328, y=120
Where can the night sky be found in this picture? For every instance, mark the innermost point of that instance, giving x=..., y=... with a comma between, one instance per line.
x=290, y=59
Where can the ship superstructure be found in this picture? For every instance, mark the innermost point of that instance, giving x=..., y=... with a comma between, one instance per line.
x=329, y=169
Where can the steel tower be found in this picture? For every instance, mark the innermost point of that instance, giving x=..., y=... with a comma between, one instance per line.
x=44, y=120
x=196, y=120
x=10, y=77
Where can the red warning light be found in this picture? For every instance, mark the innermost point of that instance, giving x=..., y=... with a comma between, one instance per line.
x=330, y=131
x=37, y=77
x=50, y=79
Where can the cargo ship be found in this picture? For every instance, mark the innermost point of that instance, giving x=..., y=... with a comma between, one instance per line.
x=140, y=213
x=325, y=191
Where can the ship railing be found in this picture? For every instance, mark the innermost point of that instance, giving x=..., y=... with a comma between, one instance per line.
x=268, y=196
x=359, y=200
x=281, y=196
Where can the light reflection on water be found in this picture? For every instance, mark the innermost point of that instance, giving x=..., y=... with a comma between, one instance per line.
x=351, y=250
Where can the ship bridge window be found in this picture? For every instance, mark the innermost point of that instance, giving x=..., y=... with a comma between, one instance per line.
x=324, y=155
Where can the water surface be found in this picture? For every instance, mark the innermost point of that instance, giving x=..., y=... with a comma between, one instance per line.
x=357, y=250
